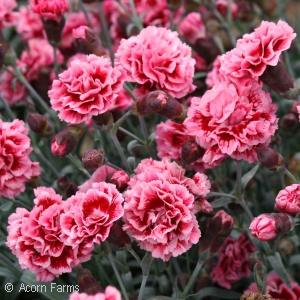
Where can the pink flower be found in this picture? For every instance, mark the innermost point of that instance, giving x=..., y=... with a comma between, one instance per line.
x=15, y=164
x=267, y=227
x=232, y=123
x=50, y=9
x=111, y=293
x=156, y=59
x=88, y=217
x=39, y=55
x=192, y=28
x=34, y=237
x=29, y=24
x=98, y=176
x=7, y=16
x=255, y=51
x=288, y=200
x=222, y=7
x=86, y=89
x=123, y=101
x=233, y=263
x=277, y=289
x=214, y=77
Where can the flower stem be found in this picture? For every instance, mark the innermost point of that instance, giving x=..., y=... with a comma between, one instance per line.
x=55, y=62
x=171, y=18
x=81, y=5
x=112, y=165
x=239, y=178
x=290, y=175
x=8, y=109
x=133, y=253
x=146, y=266
x=46, y=161
x=246, y=209
x=75, y=160
x=132, y=135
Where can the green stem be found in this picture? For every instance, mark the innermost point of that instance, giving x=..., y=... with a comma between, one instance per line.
x=144, y=128
x=146, y=266
x=132, y=135
x=290, y=175
x=81, y=5
x=120, y=121
x=75, y=160
x=133, y=253
x=171, y=19
x=216, y=194
x=46, y=161
x=112, y=165
x=55, y=62
x=246, y=209
x=8, y=109
x=179, y=273
x=239, y=170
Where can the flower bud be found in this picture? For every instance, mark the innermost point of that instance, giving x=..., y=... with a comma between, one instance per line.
x=289, y=122
x=161, y=103
x=191, y=151
x=71, y=190
x=174, y=4
x=2, y=55
x=92, y=159
x=118, y=237
x=119, y=178
x=87, y=283
x=62, y=183
x=53, y=29
x=288, y=200
x=269, y=158
x=65, y=141
x=105, y=119
x=87, y=42
x=218, y=229
x=267, y=227
x=280, y=81
x=40, y=125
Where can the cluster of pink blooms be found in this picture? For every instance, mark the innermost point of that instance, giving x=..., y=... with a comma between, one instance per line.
x=50, y=9
x=16, y=165
x=57, y=235
x=110, y=293
x=233, y=263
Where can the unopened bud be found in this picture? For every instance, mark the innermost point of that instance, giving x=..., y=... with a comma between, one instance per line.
x=269, y=158
x=174, y=4
x=289, y=122
x=87, y=283
x=65, y=141
x=71, y=190
x=267, y=227
x=62, y=182
x=92, y=159
x=118, y=178
x=280, y=81
x=106, y=119
x=87, y=42
x=161, y=103
x=40, y=125
x=118, y=237
x=2, y=55
x=191, y=151
x=53, y=29
x=217, y=230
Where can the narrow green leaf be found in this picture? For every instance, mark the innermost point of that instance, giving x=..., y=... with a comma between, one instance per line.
x=221, y=202
x=248, y=176
x=6, y=206
x=295, y=259
x=278, y=267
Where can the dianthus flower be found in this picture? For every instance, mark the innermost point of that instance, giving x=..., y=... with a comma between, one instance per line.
x=159, y=205
x=88, y=217
x=228, y=122
x=156, y=59
x=288, y=200
x=7, y=16
x=233, y=263
x=255, y=51
x=277, y=289
x=15, y=164
x=110, y=293
x=35, y=238
x=86, y=89
x=50, y=9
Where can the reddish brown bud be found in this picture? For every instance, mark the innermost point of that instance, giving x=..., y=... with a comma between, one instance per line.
x=53, y=29
x=40, y=125
x=289, y=122
x=118, y=237
x=256, y=296
x=62, y=183
x=92, y=159
x=191, y=151
x=119, y=178
x=218, y=229
x=65, y=141
x=174, y=4
x=277, y=78
x=269, y=158
x=105, y=119
x=71, y=190
x=161, y=103
x=87, y=283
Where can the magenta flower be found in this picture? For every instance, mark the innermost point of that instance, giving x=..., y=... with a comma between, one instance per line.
x=233, y=263
x=50, y=9
x=86, y=89
x=15, y=164
x=227, y=122
x=156, y=59
x=7, y=16
x=110, y=293
x=288, y=200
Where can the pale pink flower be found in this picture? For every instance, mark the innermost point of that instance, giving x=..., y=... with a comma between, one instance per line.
x=80, y=56
x=88, y=217
x=277, y=289
x=255, y=51
x=37, y=56
x=29, y=24
x=86, y=89
x=158, y=215
x=98, y=176
x=110, y=293
x=288, y=200
x=15, y=164
x=214, y=77
x=192, y=28
x=34, y=238
x=156, y=59
x=222, y=7
x=233, y=263
x=50, y=9
x=7, y=16
x=227, y=122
